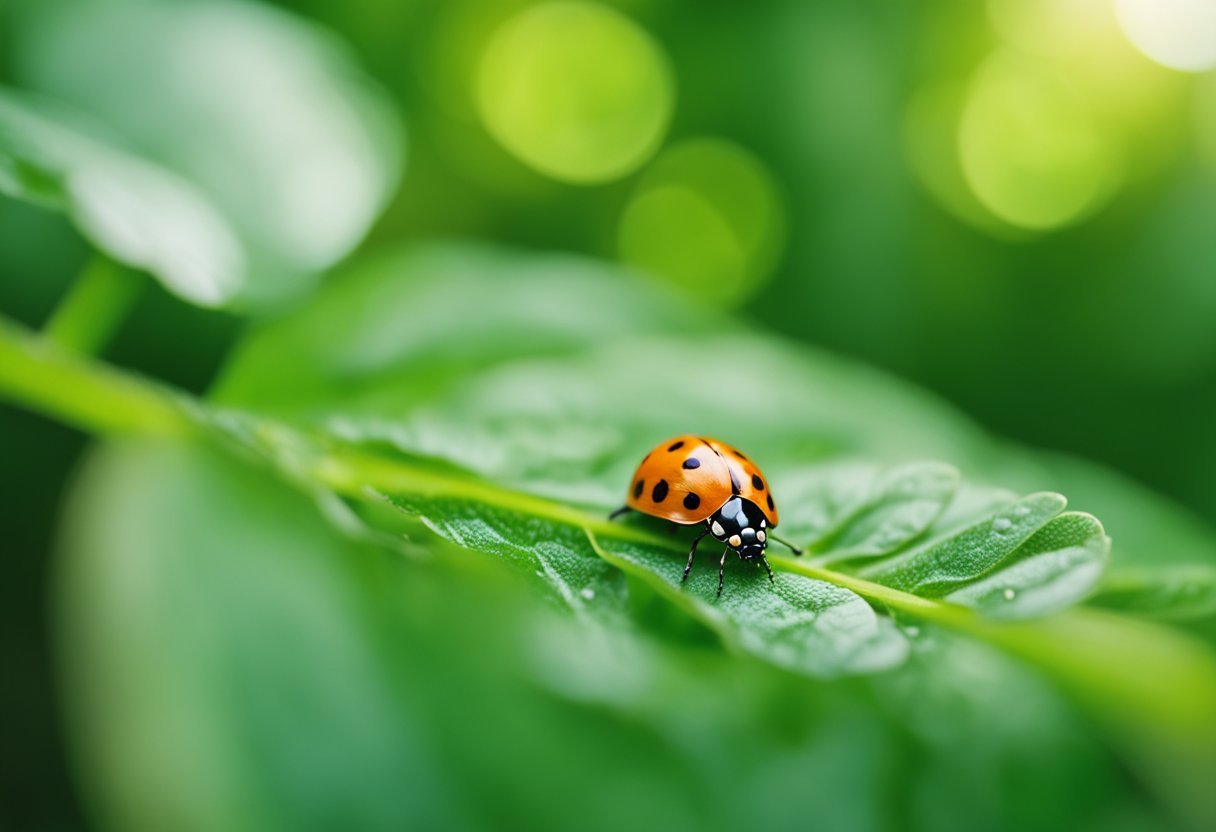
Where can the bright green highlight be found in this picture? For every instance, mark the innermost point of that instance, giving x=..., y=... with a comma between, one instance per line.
x=576, y=91
x=1030, y=149
x=707, y=217
x=930, y=139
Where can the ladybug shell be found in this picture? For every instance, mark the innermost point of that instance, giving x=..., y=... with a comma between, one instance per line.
x=687, y=478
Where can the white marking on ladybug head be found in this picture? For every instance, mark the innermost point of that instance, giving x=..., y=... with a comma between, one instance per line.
x=717, y=529
x=735, y=541
x=760, y=535
x=763, y=523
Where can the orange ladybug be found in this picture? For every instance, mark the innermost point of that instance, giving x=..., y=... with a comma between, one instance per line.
x=694, y=479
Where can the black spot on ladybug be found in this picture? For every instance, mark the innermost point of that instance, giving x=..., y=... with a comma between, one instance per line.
x=757, y=482
x=770, y=502
x=659, y=494
x=691, y=501
x=637, y=488
x=692, y=462
x=675, y=446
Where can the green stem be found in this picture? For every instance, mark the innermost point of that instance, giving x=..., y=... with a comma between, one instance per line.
x=91, y=396
x=94, y=307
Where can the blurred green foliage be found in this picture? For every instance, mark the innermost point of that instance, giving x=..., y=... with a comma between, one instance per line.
x=363, y=581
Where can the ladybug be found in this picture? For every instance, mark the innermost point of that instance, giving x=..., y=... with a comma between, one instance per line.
x=694, y=479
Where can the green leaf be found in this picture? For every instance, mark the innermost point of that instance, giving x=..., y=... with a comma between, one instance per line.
x=1059, y=565
x=544, y=538
x=938, y=566
x=804, y=625
x=569, y=407
x=232, y=663
x=403, y=349
x=558, y=373
x=184, y=615
x=137, y=212
x=266, y=114
x=801, y=624
x=559, y=555
x=904, y=502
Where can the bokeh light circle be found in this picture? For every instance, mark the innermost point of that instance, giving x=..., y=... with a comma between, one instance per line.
x=576, y=91
x=1031, y=151
x=1180, y=34
x=930, y=143
x=706, y=216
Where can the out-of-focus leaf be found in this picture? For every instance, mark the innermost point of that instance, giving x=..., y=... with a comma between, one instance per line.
x=266, y=113
x=185, y=618
x=1171, y=593
x=137, y=212
x=421, y=319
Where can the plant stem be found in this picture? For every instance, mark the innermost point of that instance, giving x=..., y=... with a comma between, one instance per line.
x=86, y=394
x=95, y=305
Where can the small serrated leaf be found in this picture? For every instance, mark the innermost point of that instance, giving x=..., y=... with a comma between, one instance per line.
x=1057, y=567
x=935, y=568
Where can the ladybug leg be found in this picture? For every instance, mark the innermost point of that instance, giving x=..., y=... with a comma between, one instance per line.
x=722, y=570
x=764, y=560
x=786, y=544
x=619, y=512
x=692, y=552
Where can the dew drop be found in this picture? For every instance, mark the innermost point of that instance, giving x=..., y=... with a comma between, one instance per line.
x=1002, y=524
x=912, y=632
x=1009, y=593
x=587, y=593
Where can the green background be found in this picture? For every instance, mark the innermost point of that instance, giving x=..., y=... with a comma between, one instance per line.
x=803, y=171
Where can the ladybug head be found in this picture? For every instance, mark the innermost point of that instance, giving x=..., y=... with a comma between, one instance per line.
x=751, y=543
x=742, y=526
